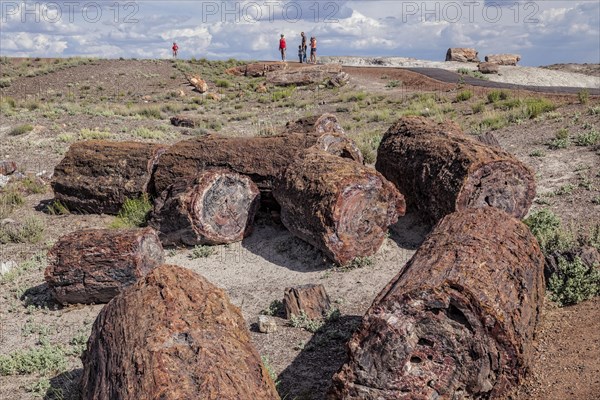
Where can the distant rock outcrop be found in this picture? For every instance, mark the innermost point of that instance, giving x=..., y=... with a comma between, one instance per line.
x=503, y=59
x=462, y=54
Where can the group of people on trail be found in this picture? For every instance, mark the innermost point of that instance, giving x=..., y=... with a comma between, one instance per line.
x=302, y=49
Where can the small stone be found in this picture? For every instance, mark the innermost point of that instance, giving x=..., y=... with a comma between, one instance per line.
x=4, y=180
x=266, y=324
x=6, y=267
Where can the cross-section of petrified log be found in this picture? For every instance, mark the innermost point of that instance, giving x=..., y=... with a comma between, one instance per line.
x=94, y=265
x=217, y=208
x=339, y=206
x=441, y=170
x=261, y=158
x=457, y=322
x=97, y=176
x=172, y=335
x=311, y=300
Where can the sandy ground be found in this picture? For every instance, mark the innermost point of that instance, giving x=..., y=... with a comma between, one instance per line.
x=508, y=74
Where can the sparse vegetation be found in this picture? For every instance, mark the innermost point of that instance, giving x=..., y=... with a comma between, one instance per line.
x=464, y=95
x=202, y=251
x=562, y=140
x=534, y=107
x=590, y=138
x=574, y=282
x=583, y=96
x=274, y=309
x=145, y=133
x=31, y=230
x=134, y=213
x=94, y=134
x=304, y=322
x=20, y=130
x=546, y=227
x=537, y=153
x=43, y=359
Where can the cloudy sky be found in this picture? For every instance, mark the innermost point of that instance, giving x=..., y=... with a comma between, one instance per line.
x=543, y=32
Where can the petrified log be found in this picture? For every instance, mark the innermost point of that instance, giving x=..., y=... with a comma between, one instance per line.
x=311, y=299
x=217, y=208
x=315, y=124
x=97, y=176
x=198, y=83
x=462, y=54
x=261, y=158
x=458, y=320
x=183, y=121
x=255, y=70
x=94, y=265
x=7, y=167
x=440, y=170
x=503, y=59
x=488, y=68
x=314, y=74
x=338, y=205
x=172, y=335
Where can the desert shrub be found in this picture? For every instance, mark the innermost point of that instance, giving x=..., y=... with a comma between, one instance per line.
x=202, y=251
x=546, y=227
x=32, y=185
x=537, y=106
x=223, y=83
x=20, y=130
x=30, y=231
x=304, y=322
x=565, y=189
x=573, y=282
x=583, y=96
x=283, y=93
x=368, y=143
x=590, y=138
x=358, y=262
x=508, y=104
x=393, y=83
x=274, y=309
x=493, y=122
x=382, y=115
x=355, y=96
x=561, y=140
x=8, y=201
x=537, y=153
x=44, y=359
x=133, y=213
x=594, y=110
x=478, y=107
x=149, y=112
x=145, y=133
x=5, y=82
x=93, y=134
x=464, y=95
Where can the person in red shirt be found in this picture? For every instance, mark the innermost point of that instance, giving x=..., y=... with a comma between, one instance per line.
x=175, y=48
x=282, y=47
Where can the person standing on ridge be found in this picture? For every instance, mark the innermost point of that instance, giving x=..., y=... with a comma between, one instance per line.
x=175, y=48
x=303, y=46
x=282, y=47
x=301, y=53
x=313, y=50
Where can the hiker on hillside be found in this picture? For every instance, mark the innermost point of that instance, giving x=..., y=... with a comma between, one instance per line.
x=313, y=50
x=282, y=47
x=303, y=46
x=175, y=48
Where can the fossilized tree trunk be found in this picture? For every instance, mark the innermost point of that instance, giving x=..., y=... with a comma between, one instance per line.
x=94, y=265
x=97, y=176
x=314, y=74
x=173, y=335
x=503, y=59
x=338, y=205
x=217, y=208
x=440, y=170
x=462, y=54
x=457, y=322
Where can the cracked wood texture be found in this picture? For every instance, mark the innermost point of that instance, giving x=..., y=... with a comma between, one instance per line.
x=94, y=265
x=217, y=208
x=173, y=335
x=440, y=170
x=338, y=205
x=260, y=158
x=97, y=176
x=457, y=322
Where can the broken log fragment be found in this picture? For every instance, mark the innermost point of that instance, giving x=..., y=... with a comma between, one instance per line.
x=313, y=74
x=97, y=176
x=338, y=205
x=255, y=70
x=312, y=300
x=503, y=59
x=94, y=265
x=461, y=54
x=457, y=322
x=261, y=158
x=218, y=208
x=7, y=167
x=183, y=121
x=325, y=123
x=173, y=335
x=440, y=170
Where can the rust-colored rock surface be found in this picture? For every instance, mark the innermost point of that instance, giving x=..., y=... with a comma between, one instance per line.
x=173, y=335
x=217, y=208
x=7, y=167
x=457, y=322
x=315, y=124
x=336, y=204
x=503, y=59
x=94, y=265
x=262, y=158
x=97, y=176
x=440, y=170
x=311, y=299
x=462, y=54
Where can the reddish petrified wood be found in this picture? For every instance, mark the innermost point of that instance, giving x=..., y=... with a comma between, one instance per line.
x=338, y=205
x=7, y=167
x=311, y=300
x=97, y=176
x=172, y=335
x=94, y=265
x=440, y=170
x=261, y=158
x=315, y=124
x=457, y=322
x=217, y=208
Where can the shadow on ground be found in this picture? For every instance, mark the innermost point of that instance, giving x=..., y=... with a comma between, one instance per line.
x=308, y=377
x=65, y=386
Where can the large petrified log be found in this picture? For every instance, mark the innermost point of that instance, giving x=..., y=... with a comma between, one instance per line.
x=94, y=265
x=172, y=335
x=97, y=176
x=441, y=170
x=462, y=54
x=314, y=74
x=261, y=158
x=503, y=59
x=256, y=70
x=339, y=206
x=217, y=208
x=457, y=322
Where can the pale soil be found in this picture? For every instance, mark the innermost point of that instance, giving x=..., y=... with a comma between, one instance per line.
x=256, y=271
x=507, y=74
